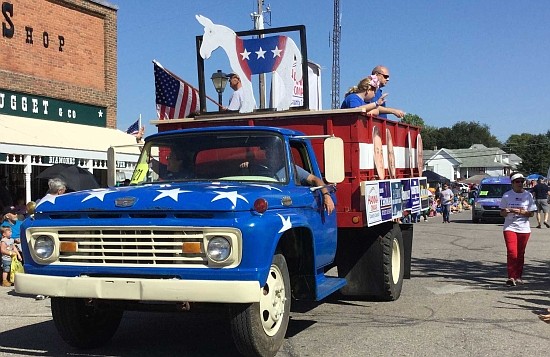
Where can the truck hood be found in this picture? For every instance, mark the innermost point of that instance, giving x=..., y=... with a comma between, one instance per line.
x=191, y=196
x=488, y=201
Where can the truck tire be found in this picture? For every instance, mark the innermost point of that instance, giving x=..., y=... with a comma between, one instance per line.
x=259, y=329
x=372, y=261
x=84, y=325
x=394, y=263
x=475, y=220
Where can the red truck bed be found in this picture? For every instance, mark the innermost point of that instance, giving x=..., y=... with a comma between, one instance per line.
x=398, y=147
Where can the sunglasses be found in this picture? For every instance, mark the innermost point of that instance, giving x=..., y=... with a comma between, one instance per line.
x=386, y=76
x=519, y=181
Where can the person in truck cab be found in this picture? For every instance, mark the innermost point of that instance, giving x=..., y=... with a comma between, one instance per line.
x=276, y=168
x=179, y=165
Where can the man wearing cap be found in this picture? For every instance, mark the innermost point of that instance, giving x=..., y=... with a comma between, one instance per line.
x=11, y=219
x=541, y=192
x=237, y=99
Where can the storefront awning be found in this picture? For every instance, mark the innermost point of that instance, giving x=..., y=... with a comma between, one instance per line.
x=26, y=136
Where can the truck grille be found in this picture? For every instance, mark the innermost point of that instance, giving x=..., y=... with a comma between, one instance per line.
x=135, y=246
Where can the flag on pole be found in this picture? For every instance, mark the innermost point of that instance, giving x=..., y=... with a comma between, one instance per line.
x=174, y=98
x=134, y=128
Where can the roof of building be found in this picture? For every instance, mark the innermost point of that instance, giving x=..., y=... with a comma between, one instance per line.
x=45, y=137
x=477, y=155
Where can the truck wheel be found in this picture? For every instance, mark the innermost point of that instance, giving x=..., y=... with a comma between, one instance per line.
x=84, y=325
x=475, y=220
x=259, y=329
x=394, y=263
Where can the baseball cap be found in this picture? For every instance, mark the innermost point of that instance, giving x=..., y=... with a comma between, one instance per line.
x=517, y=176
x=9, y=209
x=229, y=75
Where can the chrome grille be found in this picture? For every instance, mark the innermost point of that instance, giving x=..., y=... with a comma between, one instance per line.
x=136, y=246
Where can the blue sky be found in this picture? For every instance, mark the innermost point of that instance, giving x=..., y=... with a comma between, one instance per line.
x=450, y=61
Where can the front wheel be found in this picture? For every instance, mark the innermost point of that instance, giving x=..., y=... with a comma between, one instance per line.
x=259, y=329
x=83, y=324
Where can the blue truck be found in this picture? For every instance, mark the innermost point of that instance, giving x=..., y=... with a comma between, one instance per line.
x=232, y=227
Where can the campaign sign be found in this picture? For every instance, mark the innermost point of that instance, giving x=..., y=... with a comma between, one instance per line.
x=385, y=200
x=424, y=200
x=396, y=199
x=406, y=194
x=415, y=195
x=372, y=203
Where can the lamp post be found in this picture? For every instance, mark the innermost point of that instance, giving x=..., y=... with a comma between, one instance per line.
x=219, y=80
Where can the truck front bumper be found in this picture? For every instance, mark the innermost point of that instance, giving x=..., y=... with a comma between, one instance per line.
x=215, y=291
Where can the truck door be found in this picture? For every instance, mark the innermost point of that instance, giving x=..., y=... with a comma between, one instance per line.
x=322, y=224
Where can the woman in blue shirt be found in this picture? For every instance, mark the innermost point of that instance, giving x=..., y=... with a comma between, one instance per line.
x=364, y=91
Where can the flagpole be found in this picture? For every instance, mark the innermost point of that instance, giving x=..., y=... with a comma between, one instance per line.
x=139, y=123
x=181, y=80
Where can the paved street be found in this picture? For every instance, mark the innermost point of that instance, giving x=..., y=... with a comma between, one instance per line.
x=456, y=304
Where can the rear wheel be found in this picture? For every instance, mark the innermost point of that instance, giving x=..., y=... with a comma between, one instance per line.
x=259, y=329
x=83, y=324
x=393, y=261
x=372, y=261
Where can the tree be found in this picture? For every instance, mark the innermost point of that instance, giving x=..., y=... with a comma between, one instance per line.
x=463, y=135
x=413, y=119
x=534, y=150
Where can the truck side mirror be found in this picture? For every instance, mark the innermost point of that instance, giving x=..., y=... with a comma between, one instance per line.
x=334, y=159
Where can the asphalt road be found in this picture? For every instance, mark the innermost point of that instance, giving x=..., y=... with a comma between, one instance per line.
x=456, y=304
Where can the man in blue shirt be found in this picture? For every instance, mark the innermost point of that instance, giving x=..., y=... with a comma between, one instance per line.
x=10, y=219
x=383, y=75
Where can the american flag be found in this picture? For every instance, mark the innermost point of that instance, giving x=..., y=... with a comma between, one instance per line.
x=174, y=98
x=134, y=128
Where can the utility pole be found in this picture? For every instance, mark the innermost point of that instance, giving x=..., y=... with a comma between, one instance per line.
x=258, y=18
x=336, y=57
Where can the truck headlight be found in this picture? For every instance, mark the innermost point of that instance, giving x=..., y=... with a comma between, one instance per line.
x=477, y=205
x=44, y=246
x=218, y=249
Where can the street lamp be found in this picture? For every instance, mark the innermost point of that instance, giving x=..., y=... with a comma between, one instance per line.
x=219, y=80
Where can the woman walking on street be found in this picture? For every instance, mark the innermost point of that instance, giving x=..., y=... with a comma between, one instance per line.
x=446, y=197
x=516, y=206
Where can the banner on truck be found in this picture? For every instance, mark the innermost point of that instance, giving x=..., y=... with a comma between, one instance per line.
x=415, y=195
x=396, y=199
x=314, y=73
x=372, y=203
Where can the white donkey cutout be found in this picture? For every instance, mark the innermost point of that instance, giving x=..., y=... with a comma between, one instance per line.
x=275, y=54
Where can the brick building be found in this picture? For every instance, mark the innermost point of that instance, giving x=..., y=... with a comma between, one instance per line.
x=58, y=90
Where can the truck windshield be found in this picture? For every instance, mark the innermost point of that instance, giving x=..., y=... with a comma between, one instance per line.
x=493, y=190
x=212, y=156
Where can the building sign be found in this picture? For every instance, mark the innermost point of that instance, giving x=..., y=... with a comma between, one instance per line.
x=37, y=107
x=58, y=160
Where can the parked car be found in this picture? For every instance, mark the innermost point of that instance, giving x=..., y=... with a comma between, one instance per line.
x=464, y=187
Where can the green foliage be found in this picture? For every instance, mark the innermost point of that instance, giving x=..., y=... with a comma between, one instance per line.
x=534, y=151
x=413, y=119
x=461, y=135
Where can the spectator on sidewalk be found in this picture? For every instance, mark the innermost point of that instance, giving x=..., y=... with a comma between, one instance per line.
x=541, y=193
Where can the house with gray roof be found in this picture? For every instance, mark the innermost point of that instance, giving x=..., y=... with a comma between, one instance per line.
x=459, y=164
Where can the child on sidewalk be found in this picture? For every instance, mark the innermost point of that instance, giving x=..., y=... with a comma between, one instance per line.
x=8, y=249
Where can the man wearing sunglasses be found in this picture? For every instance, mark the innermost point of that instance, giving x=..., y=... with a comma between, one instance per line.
x=383, y=75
